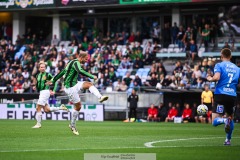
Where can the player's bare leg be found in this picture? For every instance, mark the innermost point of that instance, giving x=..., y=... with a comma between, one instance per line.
x=75, y=113
x=38, y=116
x=54, y=109
x=94, y=90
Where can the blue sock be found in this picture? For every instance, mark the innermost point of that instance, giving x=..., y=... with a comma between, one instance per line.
x=229, y=135
x=217, y=121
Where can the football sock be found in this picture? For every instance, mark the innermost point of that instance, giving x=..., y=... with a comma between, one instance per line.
x=74, y=117
x=95, y=91
x=217, y=121
x=39, y=117
x=53, y=109
x=229, y=135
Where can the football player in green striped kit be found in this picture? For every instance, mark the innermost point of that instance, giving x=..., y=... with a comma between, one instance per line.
x=45, y=93
x=73, y=87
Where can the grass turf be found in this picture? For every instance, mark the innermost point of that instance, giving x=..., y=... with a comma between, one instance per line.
x=55, y=141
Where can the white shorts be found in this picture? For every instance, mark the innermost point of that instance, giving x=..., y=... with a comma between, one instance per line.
x=73, y=92
x=43, y=97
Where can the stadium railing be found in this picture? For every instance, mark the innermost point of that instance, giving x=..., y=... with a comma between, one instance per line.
x=217, y=54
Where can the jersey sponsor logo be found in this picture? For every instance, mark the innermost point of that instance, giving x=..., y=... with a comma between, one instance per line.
x=228, y=90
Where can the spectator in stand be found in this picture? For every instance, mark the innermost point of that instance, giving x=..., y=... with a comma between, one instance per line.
x=138, y=37
x=133, y=104
x=131, y=38
x=55, y=40
x=162, y=112
x=147, y=60
x=172, y=113
x=125, y=64
x=175, y=31
x=160, y=73
x=203, y=74
x=138, y=63
x=112, y=75
x=178, y=67
x=207, y=99
x=187, y=113
x=122, y=87
x=102, y=82
x=226, y=45
x=152, y=82
x=197, y=72
x=166, y=35
x=180, y=39
x=193, y=50
x=152, y=113
x=206, y=37
x=160, y=82
x=127, y=79
x=160, y=65
x=115, y=62
x=17, y=88
x=138, y=80
x=156, y=33
x=167, y=81
x=188, y=35
x=26, y=85
x=25, y=74
x=194, y=30
x=2, y=81
x=152, y=71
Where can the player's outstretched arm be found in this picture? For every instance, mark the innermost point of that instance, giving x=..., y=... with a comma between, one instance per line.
x=58, y=76
x=79, y=69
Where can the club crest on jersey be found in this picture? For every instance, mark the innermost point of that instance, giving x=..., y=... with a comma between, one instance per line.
x=44, y=77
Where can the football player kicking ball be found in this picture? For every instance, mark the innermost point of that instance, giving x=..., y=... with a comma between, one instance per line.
x=73, y=87
x=45, y=93
x=227, y=75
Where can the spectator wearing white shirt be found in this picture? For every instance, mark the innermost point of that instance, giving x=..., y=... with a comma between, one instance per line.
x=25, y=74
x=55, y=40
x=125, y=64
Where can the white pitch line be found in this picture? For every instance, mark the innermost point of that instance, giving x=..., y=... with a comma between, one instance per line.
x=150, y=144
x=79, y=149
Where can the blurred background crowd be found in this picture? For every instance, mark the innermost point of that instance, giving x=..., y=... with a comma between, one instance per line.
x=122, y=61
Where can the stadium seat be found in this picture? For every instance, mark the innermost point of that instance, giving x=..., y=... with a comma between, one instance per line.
x=132, y=76
x=171, y=46
x=170, y=50
x=117, y=73
x=146, y=69
x=163, y=50
x=176, y=50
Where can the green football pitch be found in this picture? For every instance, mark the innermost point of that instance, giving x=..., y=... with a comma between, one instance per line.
x=55, y=141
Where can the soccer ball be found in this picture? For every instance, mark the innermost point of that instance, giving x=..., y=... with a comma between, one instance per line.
x=202, y=109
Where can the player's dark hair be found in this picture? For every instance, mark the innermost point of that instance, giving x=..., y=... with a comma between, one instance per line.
x=226, y=53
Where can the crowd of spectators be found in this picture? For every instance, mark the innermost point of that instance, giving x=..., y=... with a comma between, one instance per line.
x=108, y=55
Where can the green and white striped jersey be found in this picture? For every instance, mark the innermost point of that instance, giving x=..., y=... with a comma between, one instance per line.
x=70, y=73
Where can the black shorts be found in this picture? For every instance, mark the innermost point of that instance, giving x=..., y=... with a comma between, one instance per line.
x=228, y=103
x=209, y=106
